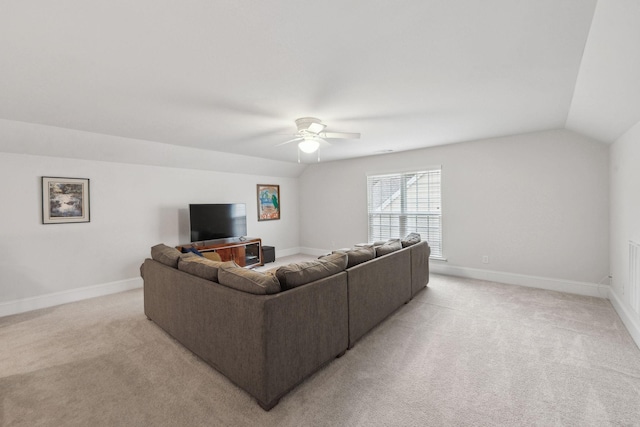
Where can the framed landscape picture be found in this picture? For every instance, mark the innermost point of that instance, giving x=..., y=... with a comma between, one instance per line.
x=268, y=202
x=65, y=200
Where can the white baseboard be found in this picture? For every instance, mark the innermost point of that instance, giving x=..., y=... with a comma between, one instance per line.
x=288, y=252
x=441, y=267
x=314, y=251
x=560, y=285
x=630, y=320
x=72, y=295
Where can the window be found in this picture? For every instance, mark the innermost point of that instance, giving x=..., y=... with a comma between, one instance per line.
x=402, y=203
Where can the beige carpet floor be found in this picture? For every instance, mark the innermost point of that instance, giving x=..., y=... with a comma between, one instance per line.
x=461, y=353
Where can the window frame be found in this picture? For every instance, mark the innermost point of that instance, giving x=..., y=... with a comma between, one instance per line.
x=404, y=216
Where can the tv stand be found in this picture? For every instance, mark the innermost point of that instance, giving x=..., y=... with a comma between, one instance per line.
x=245, y=251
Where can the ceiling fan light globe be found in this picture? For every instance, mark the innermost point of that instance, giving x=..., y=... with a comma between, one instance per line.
x=309, y=146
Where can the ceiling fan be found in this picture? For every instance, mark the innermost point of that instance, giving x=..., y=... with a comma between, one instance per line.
x=311, y=133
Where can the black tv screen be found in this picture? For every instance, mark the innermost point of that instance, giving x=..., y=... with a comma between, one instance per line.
x=217, y=221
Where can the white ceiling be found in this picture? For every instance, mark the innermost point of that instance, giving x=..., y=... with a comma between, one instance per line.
x=606, y=100
x=232, y=75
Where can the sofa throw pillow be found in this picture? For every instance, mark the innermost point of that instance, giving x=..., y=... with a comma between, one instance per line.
x=192, y=250
x=243, y=279
x=213, y=256
x=392, y=245
x=298, y=274
x=411, y=239
x=165, y=255
x=199, y=266
x=358, y=255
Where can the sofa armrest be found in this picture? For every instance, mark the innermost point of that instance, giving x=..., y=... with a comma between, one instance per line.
x=376, y=289
x=419, y=266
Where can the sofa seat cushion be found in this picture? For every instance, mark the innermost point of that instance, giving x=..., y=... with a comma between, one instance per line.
x=391, y=245
x=358, y=255
x=165, y=254
x=411, y=239
x=243, y=279
x=297, y=274
x=199, y=266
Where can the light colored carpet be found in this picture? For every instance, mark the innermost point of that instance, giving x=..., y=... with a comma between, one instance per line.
x=462, y=352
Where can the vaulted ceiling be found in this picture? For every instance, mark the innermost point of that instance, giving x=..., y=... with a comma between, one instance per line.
x=233, y=75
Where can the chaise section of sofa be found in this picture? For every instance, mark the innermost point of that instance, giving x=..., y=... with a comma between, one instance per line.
x=265, y=344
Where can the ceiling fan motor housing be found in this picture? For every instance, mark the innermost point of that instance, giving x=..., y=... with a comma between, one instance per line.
x=304, y=123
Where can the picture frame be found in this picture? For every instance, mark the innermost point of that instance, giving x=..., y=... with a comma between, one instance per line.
x=268, y=202
x=65, y=200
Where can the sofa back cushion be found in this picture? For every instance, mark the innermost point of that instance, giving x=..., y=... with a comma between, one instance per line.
x=391, y=245
x=411, y=239
x=358, y=255
x=297, y=274
x=246, y=280
x=199, y=266
x=165, y=255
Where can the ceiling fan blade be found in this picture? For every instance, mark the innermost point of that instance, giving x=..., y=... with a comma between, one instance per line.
x=340, y=135
x=289, y=141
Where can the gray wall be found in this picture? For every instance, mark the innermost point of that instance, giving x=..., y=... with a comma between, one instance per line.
x=132, y=208
x=536, y=204
x=625, y=223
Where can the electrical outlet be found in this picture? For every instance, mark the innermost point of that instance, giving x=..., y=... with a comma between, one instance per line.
x=485, y=259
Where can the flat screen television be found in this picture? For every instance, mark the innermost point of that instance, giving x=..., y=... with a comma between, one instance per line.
x=217, y=221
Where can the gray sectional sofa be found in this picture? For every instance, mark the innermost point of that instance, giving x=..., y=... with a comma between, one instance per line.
x=267, y=332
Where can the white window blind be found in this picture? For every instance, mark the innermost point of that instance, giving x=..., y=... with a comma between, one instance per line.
x=403, y=203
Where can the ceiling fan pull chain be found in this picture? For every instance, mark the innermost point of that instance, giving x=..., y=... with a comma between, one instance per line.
x=298, y=154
